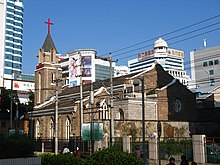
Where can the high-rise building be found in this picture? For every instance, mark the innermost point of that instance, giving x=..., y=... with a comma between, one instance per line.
x=205, y=67
x=93, y=68
x=171, y=60
x=11, y=34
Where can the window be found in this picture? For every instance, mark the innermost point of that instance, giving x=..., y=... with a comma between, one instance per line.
x=210, y=63
x=205, y=64
x=216, y=62
x=51, y=132
x=39, y=87
x=68, y=128
x=8, y=64
x=7, y=71
x=121, y=113
x=10, y=4
x=103, y=109
x=211, y=72
x=37, y=129
x=10, y=10
x=19, y=8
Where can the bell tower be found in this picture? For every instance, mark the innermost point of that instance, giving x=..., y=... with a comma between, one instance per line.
x=48, y=71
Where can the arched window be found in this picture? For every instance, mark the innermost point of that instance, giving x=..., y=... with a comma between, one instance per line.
x=121, y=114
x=37, y=129
x=103, y=109
x=39, y=87
x=68, y=128
x=51, y=128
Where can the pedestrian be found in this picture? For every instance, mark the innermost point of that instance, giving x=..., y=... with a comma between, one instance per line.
x=171, y=161
x=66, y=150
x=137, y=152
x=78, y=152
x=184, y=161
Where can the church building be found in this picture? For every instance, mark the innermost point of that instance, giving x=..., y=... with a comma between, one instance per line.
x=165, y=99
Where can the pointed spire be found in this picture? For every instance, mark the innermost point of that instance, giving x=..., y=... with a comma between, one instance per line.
x=48, y=44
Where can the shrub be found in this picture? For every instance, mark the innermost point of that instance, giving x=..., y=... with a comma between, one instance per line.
x=112, y=157
x=60, y=159
x=16, y=146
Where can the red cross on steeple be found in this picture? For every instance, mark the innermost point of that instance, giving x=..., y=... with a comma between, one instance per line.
x=48, y=23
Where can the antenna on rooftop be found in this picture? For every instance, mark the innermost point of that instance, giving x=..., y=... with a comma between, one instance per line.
x=204, y=43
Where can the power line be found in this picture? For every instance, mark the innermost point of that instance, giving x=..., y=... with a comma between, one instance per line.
x=169, y=44
x=166, y=34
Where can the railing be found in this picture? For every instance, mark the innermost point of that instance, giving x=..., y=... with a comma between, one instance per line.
x=176, y=147
x=136, y=142
x=47, y=145
x=212, y=147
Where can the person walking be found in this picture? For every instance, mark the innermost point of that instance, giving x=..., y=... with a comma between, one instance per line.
x=78, y=152
x=183, y=160
x=137, y=152
x=171, y=161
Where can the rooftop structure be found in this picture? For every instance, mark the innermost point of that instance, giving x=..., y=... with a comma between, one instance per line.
x=171, y=60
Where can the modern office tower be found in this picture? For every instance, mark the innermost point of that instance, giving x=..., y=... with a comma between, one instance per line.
x=93, y=68
x=171, y=60
x=205, y=67
x=11, y=34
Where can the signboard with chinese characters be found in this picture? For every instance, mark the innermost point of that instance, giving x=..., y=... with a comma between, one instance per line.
x=19, y=85
x=146, y=54
x=98, y=131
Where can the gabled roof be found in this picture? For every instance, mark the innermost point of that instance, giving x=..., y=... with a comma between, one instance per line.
x=168, y=85
x=46, y=103
x=205, y=92
x=207, y=89
x=48, y=44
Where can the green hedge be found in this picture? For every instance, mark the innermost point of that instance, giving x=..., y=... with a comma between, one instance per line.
x=16, y=146
x=103, y=157
x=61, y=159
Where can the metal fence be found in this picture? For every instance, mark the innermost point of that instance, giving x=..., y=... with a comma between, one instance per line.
x=47, y=145
x=137, y=143
x=175, y=147
x=212, y=147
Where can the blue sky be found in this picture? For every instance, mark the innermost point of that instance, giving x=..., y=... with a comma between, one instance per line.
x=108, y=26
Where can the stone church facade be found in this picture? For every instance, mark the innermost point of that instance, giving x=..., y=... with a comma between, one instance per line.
x=166, y=100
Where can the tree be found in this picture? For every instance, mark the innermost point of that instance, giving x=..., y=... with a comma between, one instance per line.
x=5, y=100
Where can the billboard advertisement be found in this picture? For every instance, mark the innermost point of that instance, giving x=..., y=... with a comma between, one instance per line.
x=74, y=69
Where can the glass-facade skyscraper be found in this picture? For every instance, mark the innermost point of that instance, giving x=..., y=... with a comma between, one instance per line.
x=11, y=36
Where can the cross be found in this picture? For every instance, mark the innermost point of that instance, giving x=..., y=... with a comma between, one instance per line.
x=48, y=23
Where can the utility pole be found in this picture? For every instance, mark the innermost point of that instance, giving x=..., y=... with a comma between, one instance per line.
x=56, y=114
x=92, y=117
x=111, y=103
x=81, y=95
x=11, y=101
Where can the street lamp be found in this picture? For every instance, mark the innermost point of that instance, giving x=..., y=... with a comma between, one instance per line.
x=136, y=83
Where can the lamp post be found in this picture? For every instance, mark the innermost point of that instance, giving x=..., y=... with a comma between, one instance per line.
x=136, y=83
x=11, y=102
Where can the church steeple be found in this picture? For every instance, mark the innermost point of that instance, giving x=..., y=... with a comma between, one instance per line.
x=46, y=70
x=48, y=43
